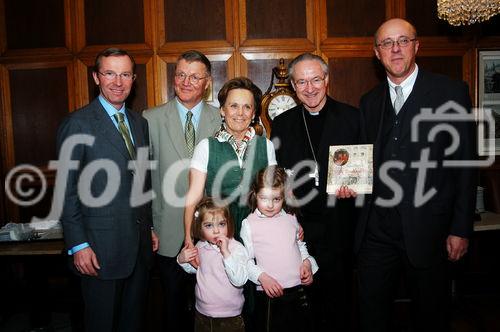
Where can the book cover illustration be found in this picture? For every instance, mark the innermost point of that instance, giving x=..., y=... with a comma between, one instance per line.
x=352, y=166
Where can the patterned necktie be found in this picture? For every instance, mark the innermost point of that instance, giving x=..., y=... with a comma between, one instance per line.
x=189, y=134
x=400, y=100
x=122, y=127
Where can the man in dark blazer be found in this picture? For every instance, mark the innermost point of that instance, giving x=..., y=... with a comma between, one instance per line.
x=109, y=238
x=303, y=135
x=415, y=219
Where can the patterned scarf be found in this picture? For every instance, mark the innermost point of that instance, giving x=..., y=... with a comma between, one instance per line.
x=238, y=146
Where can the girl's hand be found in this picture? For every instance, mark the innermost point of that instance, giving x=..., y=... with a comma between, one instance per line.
x=195, y=262
x=306, y=275
x=300, y=235
x=270, y=285
x=187, y=255
x=223, y=243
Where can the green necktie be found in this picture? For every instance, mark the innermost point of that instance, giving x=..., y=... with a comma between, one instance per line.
x=122, y=127
x=189, y=134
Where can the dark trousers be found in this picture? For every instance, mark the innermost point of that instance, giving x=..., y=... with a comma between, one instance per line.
x=178, y=295
x=204, y=323
x=116, y=305
x=380, y=268
x=331, y=291
x=287, y=313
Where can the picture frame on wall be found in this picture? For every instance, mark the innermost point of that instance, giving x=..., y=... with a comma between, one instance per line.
x=489, y=101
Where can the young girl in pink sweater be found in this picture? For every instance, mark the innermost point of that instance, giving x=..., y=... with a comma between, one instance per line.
x=219, y=262
x=282, y=264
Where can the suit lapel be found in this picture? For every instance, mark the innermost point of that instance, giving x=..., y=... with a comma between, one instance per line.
x=106, y=127
x=325, y=140
x=173, y=126
x=207, y=122
x=374, y=119
x=413, y=103
x=135, y=128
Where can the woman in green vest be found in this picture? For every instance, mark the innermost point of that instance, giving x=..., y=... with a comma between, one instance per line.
x=224, y=166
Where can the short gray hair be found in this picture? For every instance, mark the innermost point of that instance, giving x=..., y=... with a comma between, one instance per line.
x=304, y=57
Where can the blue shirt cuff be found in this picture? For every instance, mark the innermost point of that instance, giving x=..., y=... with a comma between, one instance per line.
x=77, y=248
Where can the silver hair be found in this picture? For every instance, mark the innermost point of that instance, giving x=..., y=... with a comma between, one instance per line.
x=304, y=57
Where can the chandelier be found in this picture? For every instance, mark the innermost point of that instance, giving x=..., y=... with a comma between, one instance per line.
x=466, y=12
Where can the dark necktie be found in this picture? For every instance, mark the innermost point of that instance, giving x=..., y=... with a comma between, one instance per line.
x=189, y=133
x=122, y=127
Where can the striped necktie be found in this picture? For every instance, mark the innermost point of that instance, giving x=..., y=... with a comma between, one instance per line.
x=189, y=133
x=122, y=127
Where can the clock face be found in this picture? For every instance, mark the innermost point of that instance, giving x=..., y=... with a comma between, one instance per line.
x=280, y=104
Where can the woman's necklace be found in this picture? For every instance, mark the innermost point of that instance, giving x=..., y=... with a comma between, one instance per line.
x=315, y=174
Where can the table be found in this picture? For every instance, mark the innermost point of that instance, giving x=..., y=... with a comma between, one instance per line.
x=32, y=248
x=489, y=222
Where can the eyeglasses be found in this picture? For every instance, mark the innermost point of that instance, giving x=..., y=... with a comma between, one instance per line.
x=111, y=75
x=193, y=79
x=402, y=41
x=317, y=82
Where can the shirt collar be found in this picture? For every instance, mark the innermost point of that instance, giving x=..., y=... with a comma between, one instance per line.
x=110, y=109
x=261, y=215
x=408, y=82
x=208, y=245
x=196, y=110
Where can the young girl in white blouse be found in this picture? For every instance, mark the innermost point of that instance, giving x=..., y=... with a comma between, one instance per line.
x=219, y=262
x=282, y=263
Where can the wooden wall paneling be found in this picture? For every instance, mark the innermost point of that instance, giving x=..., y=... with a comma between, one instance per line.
x=348, y=18
x=269, y=26
x=439, y=57
x=37, y=112
x=162, y=82
x=31, y=116
x=150, y=24
x=6, y=142
x=188, y=20
x=352, y=74
x=41, y=209
x=423, y=15
x=80, y=36
x=184, y=25
x=258, y=66
x=106, y=25
x=394, y=8
x=150, y=81
x=3, y=33
x=346, y=39
x=81, y=84
x=99, y=25
x=45, y=29
x=491, y=27
x=450, y=66
x=142, y=94
x=3, y=212
x=222, y=70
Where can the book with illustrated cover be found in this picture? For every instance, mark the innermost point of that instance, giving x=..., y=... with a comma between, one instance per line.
x=352, y=166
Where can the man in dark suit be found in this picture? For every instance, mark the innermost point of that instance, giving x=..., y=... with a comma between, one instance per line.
x=109, y=238
x=303, y=135
x=416, y=218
